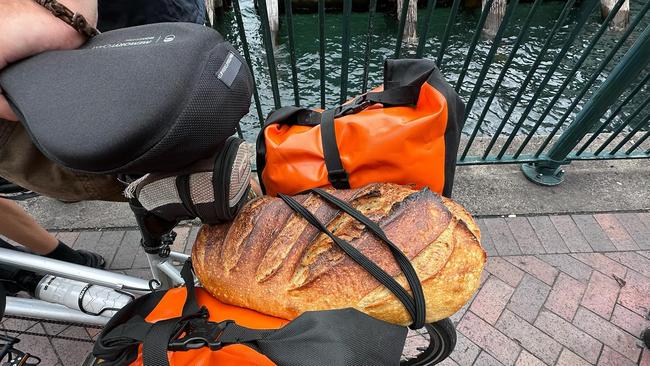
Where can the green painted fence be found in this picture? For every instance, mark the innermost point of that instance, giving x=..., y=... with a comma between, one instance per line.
x=597, y=123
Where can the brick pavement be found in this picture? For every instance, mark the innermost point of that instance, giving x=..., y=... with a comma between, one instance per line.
x=557, y=290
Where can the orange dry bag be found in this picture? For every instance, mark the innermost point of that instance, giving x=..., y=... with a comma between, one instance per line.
x=186, y=326
x=406, y=132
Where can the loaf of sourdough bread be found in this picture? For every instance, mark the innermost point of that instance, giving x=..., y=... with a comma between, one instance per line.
x=273, y=261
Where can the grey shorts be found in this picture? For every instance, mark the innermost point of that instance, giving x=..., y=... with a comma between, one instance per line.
x=23, y=164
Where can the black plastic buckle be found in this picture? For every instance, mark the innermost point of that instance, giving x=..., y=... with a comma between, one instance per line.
x=339, y=178
x=357, y=105
x=198, y=333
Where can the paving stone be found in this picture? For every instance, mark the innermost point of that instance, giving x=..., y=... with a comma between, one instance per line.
x=568, y=358
x=72, y=353
x=644, y=253
x=128, y=250
x=524, y=235
x=568, y=265
x=645, y=357
x=629, y=321
x=601, y=294
x=565, y=296
x=412, y=344
x=484, y=359
x=502, y=237
x=39, y=346
x=87, y=240
x=447, y=362
x=108, y=244
x=616, y=232
x=504, y=270
x=530, y=338
x=526, y=359
x=182, y=233
x=632, y=260
x=68, y=237
x=548, y=234
x=486, y=240
x=610, y=357
x=607, y=333
x=637, y=229
x=491, y=300
x=635, y=295
x=465, y=351
x=535, y=267
x=569, y=335
x=602, y=263
x=570, y=234
x=594, y=234
x=489, y=338
x=194, y=232
x=54, y=329
x=18, y=326
x=528, y=298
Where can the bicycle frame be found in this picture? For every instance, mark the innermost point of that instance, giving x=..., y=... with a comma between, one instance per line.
x=164, y=273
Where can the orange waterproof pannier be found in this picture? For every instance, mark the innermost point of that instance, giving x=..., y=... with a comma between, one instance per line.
x=405, y=132
x=186, y=326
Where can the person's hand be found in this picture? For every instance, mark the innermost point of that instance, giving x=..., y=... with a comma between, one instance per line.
x=26, y=28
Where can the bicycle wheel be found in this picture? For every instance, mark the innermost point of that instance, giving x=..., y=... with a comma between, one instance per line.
x=431, y=345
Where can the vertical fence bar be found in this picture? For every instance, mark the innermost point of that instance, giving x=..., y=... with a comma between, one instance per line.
x=321, y=49
x=445, y=37
x=623, y=125
x=614, y=113
x=424, y=31
x=490, y=56
x=477, y=35
x=345, y=49
x=591, y=6
x=288, y=15
x=631, y=134
x=247, y=56
x=529, y=76
x=402, y=24
x=585, y=88
x=366, y=58
x=520, y=37
x=587, y=51
x=270, y=57
x=639, y=142
x=548, y=172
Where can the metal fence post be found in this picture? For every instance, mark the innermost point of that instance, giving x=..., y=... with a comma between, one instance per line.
x=549, y=172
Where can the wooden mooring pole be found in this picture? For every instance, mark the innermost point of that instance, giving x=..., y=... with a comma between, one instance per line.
x=494, y=18
x=273, y=11
x=410, y=27
x=621, y=19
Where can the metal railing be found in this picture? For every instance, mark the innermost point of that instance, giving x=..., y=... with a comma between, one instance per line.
x=616, y=82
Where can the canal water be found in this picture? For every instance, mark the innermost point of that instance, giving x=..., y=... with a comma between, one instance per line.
x=383, y=46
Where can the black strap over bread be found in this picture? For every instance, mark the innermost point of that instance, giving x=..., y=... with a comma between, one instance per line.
x=415, y=305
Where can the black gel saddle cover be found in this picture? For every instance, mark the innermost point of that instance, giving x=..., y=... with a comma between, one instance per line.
x=151, y=98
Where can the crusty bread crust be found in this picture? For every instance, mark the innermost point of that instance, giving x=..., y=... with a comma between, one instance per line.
x=271, y=260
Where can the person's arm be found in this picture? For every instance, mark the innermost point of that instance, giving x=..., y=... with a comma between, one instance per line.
x=27, y=28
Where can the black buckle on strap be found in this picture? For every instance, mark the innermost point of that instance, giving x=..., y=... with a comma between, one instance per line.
x=339, y=178
x=198, y=333
x=357, y=105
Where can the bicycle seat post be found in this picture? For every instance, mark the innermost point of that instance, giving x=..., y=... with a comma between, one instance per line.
x=155, y=238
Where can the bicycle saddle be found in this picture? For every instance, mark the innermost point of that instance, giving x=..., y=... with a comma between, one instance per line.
x=151, y=98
